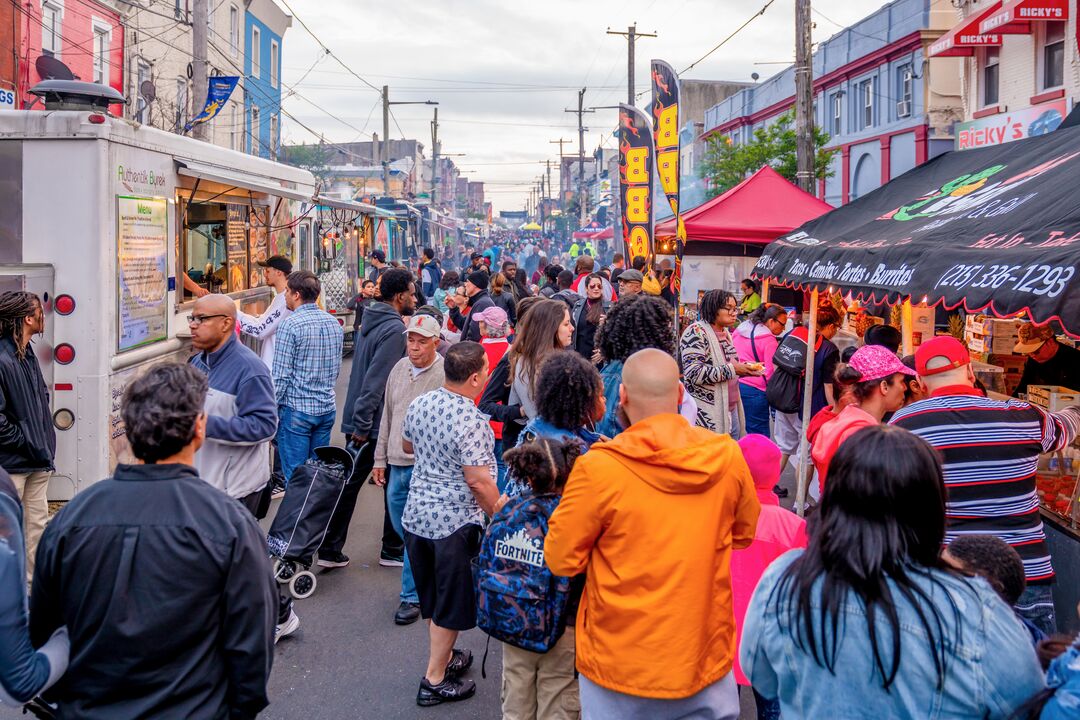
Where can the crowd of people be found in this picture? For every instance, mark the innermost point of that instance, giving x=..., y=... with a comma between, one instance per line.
x=564, y=464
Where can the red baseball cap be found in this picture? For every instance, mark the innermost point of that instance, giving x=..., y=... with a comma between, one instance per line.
x=943, y=346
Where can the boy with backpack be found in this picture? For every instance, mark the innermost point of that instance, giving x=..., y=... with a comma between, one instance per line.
x=520, y=602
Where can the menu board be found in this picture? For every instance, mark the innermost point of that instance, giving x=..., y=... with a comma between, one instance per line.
x=258, y=241
x=236, y=247
x=142, y=246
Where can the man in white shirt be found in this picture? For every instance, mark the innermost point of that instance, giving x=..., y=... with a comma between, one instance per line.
x=264, y=327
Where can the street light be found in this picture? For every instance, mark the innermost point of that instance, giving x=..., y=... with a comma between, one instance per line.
x=386, y=131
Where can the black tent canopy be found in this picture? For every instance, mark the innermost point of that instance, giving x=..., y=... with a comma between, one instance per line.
x=995, y=229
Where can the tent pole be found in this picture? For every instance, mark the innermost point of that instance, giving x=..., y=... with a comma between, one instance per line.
x=765, y=290
x=906, y=327
x=808, y=399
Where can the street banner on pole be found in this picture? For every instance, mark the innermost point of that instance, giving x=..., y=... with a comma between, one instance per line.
x=637, y=171
x=218, y=91
x=665, y=116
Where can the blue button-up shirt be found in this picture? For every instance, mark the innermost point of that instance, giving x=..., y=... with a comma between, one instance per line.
x=307, y=360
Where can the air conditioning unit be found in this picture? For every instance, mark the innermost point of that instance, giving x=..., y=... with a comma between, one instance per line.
x=903, y=108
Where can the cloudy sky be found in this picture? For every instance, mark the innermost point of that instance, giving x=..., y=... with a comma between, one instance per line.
x=503, y=71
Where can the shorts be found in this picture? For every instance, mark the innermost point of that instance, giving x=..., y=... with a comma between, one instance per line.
x=787, y=428
x=442, y=570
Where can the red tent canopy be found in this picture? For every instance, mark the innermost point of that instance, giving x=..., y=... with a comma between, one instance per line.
x=760, y=209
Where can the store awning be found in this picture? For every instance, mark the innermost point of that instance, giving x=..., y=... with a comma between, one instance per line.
x=339, y=204
x=236, y=179
x=994, y=228
x=1015, y=18
x=758, y=210
x=962, y=40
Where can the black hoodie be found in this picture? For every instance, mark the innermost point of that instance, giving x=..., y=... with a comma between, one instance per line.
x=380, y=345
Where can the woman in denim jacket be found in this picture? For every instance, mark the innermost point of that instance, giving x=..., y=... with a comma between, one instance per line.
x=868, y=622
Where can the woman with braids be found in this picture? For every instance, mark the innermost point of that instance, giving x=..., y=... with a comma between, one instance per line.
x=869, y=621
x=711, y=366
x=27, y=437
x=634, y=323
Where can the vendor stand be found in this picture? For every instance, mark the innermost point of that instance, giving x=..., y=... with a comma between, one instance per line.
x=993, y=231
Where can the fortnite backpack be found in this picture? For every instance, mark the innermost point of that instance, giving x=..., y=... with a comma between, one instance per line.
x=519, y=601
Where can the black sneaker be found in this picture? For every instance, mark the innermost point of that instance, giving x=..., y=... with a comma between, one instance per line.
x=277, y=489
x=407, y=613
x=460, y=661
x=449, y=690
x=388, y=560
x=333, y=560
x=781, y=492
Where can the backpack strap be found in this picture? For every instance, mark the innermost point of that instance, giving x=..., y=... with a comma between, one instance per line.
x=753, y=346
x=483, y=663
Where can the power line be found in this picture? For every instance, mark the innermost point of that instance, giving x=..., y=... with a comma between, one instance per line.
x=328, y=50
x=737, y=30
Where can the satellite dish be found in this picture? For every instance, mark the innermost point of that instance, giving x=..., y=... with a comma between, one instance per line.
x=148, y=91
x=49, y=68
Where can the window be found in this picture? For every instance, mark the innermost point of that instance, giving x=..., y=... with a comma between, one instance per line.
x=181, y=103
x=1053, y=55
x=866, y=108
x=275, y=140
x=101, y=52
x=905, y=89
x=142, y=74
x=51, y=24
x=274, y=53
x=255, y=52
x=234, y=30
x=837, y=113
x=235, y=131
x=991, y=73
x=221, y=242
x=253, y=146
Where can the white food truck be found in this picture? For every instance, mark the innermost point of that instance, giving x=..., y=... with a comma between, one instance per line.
x=116, y=226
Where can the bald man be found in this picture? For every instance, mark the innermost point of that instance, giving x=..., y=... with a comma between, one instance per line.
x=651, y=518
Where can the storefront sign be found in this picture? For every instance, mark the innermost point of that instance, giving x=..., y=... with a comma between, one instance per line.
x=7, y=99
x=1006, y=127
x=637, y=170
x=142, y=272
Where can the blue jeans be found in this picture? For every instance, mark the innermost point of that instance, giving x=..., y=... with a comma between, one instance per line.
x=756, y=409
x=1036, y=606
x=500, y=466
x=298, y=435
x=398, y=479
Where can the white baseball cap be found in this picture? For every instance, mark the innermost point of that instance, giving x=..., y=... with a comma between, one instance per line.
x=423, y=325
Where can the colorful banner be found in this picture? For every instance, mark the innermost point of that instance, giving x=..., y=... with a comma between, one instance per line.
x=218, y=91
x=636, y=171
x=1009, y=126
x=665, y=113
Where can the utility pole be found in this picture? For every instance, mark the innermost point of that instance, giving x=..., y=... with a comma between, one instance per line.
x=631, y=36
x=581, y=153
x=804, y=98
x=384, y=154
x=549, y=179
x=434, y=158
x=200, y=19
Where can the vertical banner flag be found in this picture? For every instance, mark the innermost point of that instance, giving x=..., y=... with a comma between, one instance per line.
x=636, y=171
x=218, y=90
x=665, y=116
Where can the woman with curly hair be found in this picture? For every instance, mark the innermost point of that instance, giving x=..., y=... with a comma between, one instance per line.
x=634, y=323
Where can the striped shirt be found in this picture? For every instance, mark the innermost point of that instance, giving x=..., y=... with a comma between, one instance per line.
x=990, y=453
x=307, y=360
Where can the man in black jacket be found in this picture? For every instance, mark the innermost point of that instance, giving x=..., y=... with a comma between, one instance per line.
x=162, y=581
x=27, y=436
x=478, y=300
x=378, y=348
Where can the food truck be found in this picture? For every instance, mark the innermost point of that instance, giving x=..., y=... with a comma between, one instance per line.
x=117, y=227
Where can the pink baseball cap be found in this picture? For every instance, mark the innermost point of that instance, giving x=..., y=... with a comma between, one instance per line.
x=494, y=316
x=874, y=362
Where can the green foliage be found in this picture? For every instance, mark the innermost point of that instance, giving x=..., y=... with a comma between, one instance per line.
x=726, y=164
x=313, y=158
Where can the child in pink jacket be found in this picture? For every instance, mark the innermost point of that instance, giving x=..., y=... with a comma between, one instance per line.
x=778, y=530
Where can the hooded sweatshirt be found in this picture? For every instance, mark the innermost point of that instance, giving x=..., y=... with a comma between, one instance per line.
x=760, y=350
x=778, y=530
x=381, y=345
x=652, y=517
x=833, y=433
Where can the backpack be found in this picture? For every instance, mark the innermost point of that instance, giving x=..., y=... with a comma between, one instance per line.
x=784, y=390
x=519, y=601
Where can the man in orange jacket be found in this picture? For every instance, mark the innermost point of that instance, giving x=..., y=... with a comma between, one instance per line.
x=651, y=517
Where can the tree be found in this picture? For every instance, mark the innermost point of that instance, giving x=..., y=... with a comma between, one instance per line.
x=313, y=158
x=726, y=164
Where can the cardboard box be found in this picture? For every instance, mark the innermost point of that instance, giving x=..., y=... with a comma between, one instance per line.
x=983, y=325
x=995, y=345
x=1052, y=397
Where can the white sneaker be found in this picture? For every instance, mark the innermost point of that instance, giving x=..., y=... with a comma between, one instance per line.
x=288, y=627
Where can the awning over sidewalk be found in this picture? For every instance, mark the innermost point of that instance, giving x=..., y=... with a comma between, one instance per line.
x=758, y=210
x=962, y=40
x=233, y=178
x=1015, y=17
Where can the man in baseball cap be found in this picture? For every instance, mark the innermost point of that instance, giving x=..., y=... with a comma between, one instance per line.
x=276, y=271
x=378, y=264
x=1048, y=361
x=420, y=371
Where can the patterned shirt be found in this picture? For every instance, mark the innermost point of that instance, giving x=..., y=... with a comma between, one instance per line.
x=307, y=360
x=448, y=433
x=990, y=453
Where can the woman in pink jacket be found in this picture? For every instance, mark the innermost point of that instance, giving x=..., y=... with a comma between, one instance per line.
x=778, y=530
x=756, y=340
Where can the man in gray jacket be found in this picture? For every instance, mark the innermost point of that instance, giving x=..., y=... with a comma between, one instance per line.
x=380, y=345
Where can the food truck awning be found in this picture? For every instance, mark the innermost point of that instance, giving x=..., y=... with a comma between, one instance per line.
x=994, y=228
x=352, y=205
x=237, y=179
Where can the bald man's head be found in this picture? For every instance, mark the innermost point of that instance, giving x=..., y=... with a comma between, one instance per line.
x=215, y=304
x=212, y=322
x=650, y=385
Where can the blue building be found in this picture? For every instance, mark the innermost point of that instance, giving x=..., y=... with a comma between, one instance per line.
x=264, y=27
x=886, y=105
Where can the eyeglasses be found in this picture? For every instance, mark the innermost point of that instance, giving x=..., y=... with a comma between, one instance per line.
x=194, y=319
x=731, y=308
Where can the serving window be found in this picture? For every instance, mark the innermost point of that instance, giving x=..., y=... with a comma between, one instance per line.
x=220, y=246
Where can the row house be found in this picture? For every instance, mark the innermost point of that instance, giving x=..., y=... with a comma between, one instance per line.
x=885, y=102
x=1020, y=67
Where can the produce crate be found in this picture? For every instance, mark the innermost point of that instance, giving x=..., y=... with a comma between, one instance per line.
x=983, y=325
x=1052, y=397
